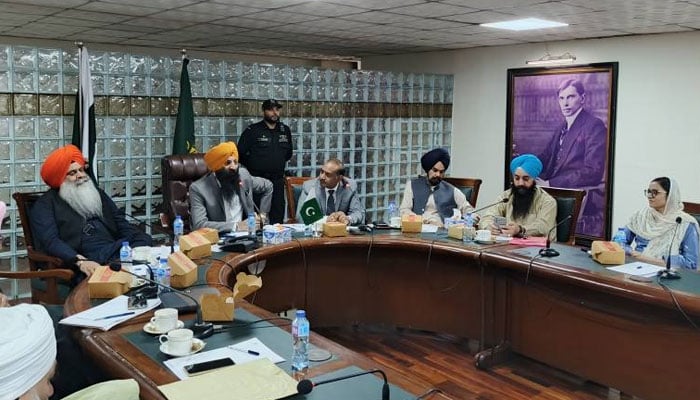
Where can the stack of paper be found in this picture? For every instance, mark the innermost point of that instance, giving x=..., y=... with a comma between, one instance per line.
x=109, y=314
x=638, y=269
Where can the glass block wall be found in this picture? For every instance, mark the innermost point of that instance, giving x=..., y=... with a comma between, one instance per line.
x=378, y=123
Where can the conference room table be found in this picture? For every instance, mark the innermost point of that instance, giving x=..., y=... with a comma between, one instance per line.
x=569, y=312
x=125, y=351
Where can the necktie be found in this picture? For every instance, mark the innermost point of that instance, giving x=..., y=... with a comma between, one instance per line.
x=561, y=135
x=330, y=203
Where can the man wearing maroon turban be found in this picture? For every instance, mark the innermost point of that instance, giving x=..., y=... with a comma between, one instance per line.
x=429, y=195
x=75, y=220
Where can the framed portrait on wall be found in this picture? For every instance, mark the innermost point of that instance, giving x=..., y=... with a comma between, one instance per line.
x=566, y=117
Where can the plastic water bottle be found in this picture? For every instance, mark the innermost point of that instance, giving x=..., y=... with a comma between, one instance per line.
x=178, y=230
x=392, y=211
x=300, y=338
x=620, y=237
x=467, y=233
x=251, y=224
x=125, y=255
x=163, y=274
x=309, y=230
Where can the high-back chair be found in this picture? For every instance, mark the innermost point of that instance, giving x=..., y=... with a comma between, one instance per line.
x=50, y=281
x=468, y=186
x=692, y=209
x=569, y=202
x=178, y=172
x=293, y=188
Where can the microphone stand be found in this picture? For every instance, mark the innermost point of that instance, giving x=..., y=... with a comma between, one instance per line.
x=200, y=328
x=549, y=252
x=305, y=386
x=668, y=273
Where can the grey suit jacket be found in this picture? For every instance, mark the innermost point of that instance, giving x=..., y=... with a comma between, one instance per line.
x=346, y=199
x=207, y=204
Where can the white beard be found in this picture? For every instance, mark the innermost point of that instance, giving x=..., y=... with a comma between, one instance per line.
x=83, y=197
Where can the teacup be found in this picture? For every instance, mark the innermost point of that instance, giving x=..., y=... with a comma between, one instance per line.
x=483, y=234
x=164, y=319
x=178, y=341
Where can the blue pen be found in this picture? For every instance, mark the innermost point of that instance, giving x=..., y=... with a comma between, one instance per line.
x=116, y=315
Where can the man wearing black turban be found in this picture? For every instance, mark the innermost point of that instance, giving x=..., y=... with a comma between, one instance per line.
x=429, y=195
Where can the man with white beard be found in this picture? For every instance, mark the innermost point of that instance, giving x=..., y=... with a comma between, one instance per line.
x=76, y=221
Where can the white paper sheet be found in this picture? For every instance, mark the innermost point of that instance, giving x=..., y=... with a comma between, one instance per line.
x=238, y=352
x=428, y=228
x=637, y=268
x=90, y=318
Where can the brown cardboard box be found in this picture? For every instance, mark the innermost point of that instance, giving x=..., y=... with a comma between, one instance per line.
x=411, y=223
x=183, y=271
x=211, y=234
x=607, y=253
x=195, y=246
x=335, y=229
x=107, y=284
x=221, y=307
x=456, y=231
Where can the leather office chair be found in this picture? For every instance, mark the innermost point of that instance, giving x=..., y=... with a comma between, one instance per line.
x=50, y=282
x=468, y=186
x=692, y=209
x=569, y=202
x=293, y=188
x=178, y=173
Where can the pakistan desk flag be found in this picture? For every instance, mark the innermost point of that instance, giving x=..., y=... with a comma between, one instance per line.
x=311, y=210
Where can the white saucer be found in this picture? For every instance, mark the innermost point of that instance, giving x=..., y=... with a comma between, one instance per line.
x=197, y=345
x=151, y=328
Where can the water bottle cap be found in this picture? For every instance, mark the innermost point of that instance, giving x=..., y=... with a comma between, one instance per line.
x=125, y=244
x=301, y=314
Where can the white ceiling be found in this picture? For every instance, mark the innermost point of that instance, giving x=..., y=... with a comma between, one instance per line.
x=334, y=29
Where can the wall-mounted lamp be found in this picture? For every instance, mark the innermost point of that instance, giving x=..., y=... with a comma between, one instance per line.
x=549, y=59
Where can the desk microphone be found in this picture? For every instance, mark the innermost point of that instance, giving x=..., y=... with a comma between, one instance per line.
x=489, y=206
x=667, y=273
x=305, y=386
x=548, y=251
x=158, y=228
x=201, y=329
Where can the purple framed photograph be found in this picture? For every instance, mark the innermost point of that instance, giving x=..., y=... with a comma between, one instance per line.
x=566, y=116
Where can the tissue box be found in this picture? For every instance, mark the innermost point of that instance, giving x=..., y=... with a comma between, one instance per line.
x=195, y=246
x=456, y=231
x=211, y=234
x=107, y=284
x=183, y=271
x=276, y=234
x=411, y=223
x=335, y=229
x=607, y=253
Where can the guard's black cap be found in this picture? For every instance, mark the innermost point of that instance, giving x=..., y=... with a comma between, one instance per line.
x=269, y=104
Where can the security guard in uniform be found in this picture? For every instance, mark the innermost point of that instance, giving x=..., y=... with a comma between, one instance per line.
x=264, y=149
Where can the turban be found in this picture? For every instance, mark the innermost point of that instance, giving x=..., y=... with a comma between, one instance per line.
x=56, y=166
x=432, y=157
x=27, y=348
x=217, y=155
x=529, y=163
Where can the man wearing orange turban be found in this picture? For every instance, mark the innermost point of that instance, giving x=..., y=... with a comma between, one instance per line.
x=224, y=196
x=76, y=221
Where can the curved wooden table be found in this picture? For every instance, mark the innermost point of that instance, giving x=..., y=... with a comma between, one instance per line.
x=587, y=321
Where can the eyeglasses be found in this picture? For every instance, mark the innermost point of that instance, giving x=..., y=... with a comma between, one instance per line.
x=651, y=192
x=74, y=172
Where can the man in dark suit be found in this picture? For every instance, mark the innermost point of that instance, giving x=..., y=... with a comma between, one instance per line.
x=575, y=158
x=336, y=195
x=224, y=197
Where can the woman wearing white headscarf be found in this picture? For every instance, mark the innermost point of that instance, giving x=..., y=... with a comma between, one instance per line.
x=28, y=359
x=663, y=227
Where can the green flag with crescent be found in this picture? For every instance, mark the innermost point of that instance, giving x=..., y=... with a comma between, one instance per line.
x=311, y=211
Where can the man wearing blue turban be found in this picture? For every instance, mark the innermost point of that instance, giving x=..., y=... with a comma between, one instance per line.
x=530, y=211
x=429, y=195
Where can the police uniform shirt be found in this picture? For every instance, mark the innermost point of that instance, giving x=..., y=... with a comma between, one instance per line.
x=266, y=151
